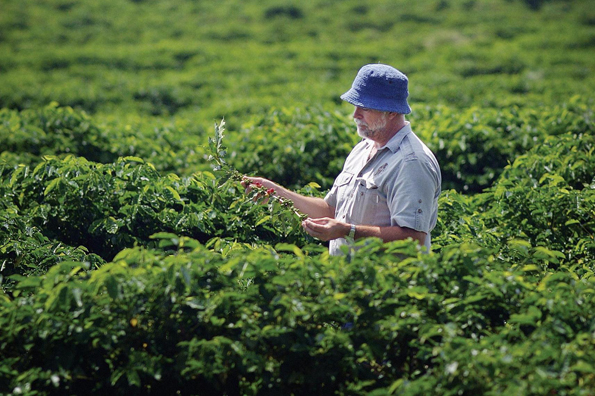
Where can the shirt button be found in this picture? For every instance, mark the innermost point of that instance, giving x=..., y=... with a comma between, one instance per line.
x=419, y=210
x=361, y=193
x=420, y=201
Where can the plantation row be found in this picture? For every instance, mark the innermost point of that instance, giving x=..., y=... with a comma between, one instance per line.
x=131, y=60
x=124, y=277
x=205, y=61
x=294, y=146
x=132, y=262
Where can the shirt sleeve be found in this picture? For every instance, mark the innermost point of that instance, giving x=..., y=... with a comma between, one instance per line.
x=411, y=197
x=331, y=197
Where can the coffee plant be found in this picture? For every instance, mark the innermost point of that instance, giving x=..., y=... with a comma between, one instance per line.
x=134, y=262
x=116, y=276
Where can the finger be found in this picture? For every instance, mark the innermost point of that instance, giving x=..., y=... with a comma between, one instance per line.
x=306, y=224
x=311, y=232
x=246, y=181
x=311, y=221
x=250, y=183
x=319, y=225
x=254, y=181
x=314, y=229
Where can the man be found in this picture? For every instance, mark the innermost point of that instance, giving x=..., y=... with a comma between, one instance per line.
x=390, y=182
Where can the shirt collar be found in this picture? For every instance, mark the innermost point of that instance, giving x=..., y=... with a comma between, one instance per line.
x=394, y=142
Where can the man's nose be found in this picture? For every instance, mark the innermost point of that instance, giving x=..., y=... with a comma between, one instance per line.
x=357, y=113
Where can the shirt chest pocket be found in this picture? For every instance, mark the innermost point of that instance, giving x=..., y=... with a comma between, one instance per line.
x=344, y=187
x=366, y=187
x=367, y=200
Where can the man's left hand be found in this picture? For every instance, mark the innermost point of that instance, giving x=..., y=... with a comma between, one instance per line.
x=326, y=228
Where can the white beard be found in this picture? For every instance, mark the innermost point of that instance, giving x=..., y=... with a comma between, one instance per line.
x=371, y=131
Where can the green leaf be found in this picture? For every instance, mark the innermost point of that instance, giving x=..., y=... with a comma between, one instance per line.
x=53, y=184
x=209, y=175
x=57, y=298
x=164, y=235
x=26, y=282
x=262, y=220
x=15, y=174
x=395, y=386
x=548, y=254
x=189, y=243
x=286, y=247
x=339, y=296
x=133, y=378
x=112, y=287
x=583, y=367
x=133, y=159
x=519, y=244
x=529, y=318
x=419, y=296
x=174, y=193
x=116, y=375
x=530, y=267
x=111, y=225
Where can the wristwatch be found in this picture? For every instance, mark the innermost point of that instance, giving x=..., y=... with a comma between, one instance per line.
x=351, y=231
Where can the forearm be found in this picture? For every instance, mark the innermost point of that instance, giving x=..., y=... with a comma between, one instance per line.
x=388, y=234
x=312, y=206
x=328, y=229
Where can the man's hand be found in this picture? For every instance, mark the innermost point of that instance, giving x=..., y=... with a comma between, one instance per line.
x=326, y=228
x=310, y=206
x=249, y=183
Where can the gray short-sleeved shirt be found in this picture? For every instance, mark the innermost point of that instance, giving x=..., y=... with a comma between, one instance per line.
x=399, y=186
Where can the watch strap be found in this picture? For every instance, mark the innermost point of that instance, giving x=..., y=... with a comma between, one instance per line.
x=351, y=231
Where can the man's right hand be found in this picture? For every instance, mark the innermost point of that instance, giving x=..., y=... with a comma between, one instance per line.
x=312, y=206
x=249, y=183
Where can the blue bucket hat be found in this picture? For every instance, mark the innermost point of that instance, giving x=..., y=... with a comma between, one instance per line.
x=379, y=87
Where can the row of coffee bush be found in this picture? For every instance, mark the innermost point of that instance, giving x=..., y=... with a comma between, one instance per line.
x=120, y=278
x=294, y=146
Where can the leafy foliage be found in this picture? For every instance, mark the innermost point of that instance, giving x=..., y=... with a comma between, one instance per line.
x=503, y=305
x=294, y=147
x=258, y=321
x=474, y=145
x=205, y=61
x=132, y=261
x=52, y=130
x=107, y=208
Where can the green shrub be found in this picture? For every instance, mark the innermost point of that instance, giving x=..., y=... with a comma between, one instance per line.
x=549, y=195
x=294, y=146
x=259, y=321
x=53, y=130
x=214, y=298
x=25, y=250
x=473, y=146
x=107, y=207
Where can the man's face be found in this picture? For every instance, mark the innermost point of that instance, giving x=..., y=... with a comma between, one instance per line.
x=370, y=123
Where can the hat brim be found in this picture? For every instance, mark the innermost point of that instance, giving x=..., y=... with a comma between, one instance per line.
x=355, y=99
